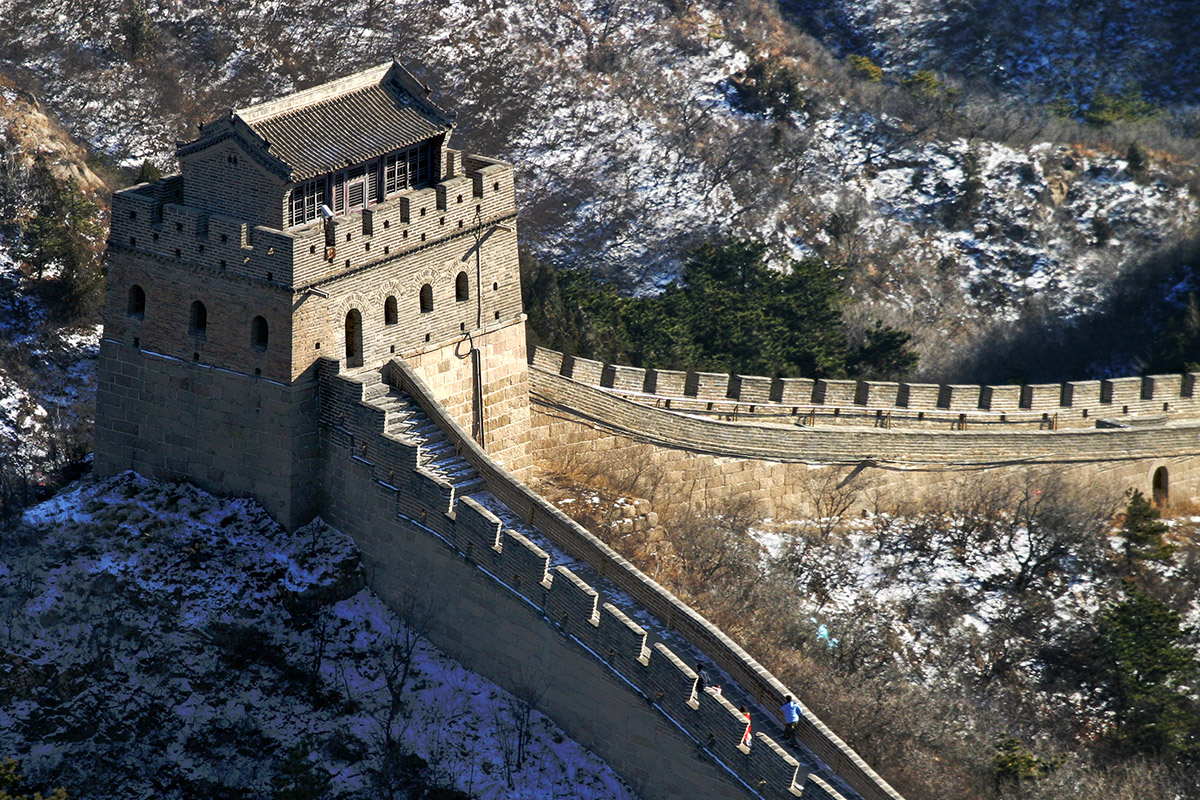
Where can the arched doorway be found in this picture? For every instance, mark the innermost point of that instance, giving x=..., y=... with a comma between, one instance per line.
x=1160, y=487
x=354, y=348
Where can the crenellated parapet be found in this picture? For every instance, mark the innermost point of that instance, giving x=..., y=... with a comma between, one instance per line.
x=1112, y=402
x=356, y=422
x=151, y=220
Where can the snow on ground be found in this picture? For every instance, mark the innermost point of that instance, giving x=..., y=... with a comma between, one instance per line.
x=1040, y=49
x=47, y=374
x=956, y=598
x=160, y=642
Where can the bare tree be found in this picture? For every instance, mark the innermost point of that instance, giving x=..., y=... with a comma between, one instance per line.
x=513, y=718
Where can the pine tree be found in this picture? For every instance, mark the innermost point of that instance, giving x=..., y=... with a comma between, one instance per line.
x=1145, y=668
x=65, y=233
x=12, y=785
x=1143, y=533
x=300, y=778
x=138, y=30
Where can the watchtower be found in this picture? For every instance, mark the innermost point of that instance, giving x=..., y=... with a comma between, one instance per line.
x=335, y=223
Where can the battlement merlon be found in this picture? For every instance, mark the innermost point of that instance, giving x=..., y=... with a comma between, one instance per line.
x=149, y=218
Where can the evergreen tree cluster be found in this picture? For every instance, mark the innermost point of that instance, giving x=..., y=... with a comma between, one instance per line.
x=1138, y=664
x=59, y=238
x=732, y=312
x=1146, y=673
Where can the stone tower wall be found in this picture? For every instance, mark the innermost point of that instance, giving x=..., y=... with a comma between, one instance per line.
x=179, y=254
x=174, y=419
x=225, y=179
x=231, y=302
x=447, y=370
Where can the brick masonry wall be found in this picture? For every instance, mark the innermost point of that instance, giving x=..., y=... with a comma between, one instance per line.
x=498, y=634
x=448, y=372
x=225, y=179
x=578, y=544
x=171, y=419
x=231, y=301
x=463, y=225
x=494, y=296
x=1073, y=404
x=772, y=466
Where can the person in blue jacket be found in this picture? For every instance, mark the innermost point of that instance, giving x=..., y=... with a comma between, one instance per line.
x=791, y=716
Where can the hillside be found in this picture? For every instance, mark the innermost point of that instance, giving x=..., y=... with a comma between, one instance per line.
x=1041, y=50
x=47, y=349
x=160, y=642
x=641, y=129
x=1016, y=237
x=962, y=641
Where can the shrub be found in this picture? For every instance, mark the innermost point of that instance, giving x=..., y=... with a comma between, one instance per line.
x=865, y=68
x=1013, y=762
x=772, y=89
x=1137, y=159
x=1129, y=106
x=12, y=785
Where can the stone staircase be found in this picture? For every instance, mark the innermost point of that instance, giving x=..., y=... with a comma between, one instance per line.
x=407, y=422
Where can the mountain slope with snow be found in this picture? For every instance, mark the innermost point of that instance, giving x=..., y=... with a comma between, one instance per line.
x=160, y=642
x=1041, y=49
x=640, y=129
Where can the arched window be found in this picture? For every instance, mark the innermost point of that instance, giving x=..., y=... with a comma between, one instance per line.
x=137, y=301
x=354, y=349
x=198, y=319
x=389, y=311
x=462, y=289
x=1160, y=487
x=426, y=298
x=259, y=333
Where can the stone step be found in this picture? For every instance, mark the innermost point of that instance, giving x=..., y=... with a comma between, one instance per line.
x=426, y=430
x=439, y=444
x=469, y=486
x=455, y=465
x=405, y=420
x=375, y=391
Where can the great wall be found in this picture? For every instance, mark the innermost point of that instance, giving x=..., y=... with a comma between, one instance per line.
x=323, y=312
x=757, y=437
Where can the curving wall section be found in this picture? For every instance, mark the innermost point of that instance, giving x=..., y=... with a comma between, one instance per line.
x=766, y=452
x=397, y=510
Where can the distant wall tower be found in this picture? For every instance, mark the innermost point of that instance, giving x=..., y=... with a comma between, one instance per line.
x=335, y=223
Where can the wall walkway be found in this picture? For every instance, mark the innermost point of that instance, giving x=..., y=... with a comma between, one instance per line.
x=845, y=444
x=415, y=528
x=766, y=451
x=1114, y=402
